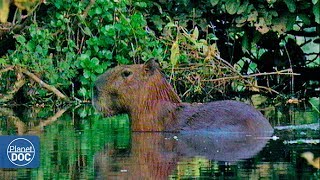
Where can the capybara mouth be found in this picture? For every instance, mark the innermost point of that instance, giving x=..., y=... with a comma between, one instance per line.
x=103, y=110
x=105, y=114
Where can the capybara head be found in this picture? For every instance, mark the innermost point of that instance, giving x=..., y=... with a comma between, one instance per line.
x=126, y=88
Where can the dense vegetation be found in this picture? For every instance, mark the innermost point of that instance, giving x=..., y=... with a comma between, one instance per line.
x=205, y=47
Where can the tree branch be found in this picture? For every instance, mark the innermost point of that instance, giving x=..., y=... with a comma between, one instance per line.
x=45, y=85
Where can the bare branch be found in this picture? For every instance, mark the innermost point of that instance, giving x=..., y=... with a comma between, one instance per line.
x=45, y=85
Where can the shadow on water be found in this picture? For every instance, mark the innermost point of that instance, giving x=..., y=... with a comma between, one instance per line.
x=77, y=143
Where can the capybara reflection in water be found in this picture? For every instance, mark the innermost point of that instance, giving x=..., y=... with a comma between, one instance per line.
x=143, y=93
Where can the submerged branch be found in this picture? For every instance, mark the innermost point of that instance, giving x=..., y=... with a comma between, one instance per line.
x=22, y=127
x=38, y=129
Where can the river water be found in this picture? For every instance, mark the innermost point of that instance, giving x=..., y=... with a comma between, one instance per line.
x=77, y=143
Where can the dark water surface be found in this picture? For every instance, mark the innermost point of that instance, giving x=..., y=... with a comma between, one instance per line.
x=77, y=143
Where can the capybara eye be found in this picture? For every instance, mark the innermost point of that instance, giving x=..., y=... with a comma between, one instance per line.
x=126, y=73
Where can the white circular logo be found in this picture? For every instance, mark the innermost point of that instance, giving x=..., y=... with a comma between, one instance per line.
x=21, y=152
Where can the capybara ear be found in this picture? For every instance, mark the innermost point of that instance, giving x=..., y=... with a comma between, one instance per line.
x=151, y=66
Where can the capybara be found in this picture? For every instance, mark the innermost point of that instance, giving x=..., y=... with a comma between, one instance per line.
x=143, y=93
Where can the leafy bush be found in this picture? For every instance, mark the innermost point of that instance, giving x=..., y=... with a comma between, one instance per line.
x=69, y=43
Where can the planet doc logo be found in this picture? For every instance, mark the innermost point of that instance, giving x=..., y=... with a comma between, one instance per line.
x=21, y=152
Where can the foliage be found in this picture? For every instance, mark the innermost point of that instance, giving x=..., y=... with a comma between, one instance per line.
x=78, y=42
x=68, y=44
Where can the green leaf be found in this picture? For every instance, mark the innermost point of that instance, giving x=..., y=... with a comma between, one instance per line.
x=274, y=13
x=174, y=53
x=241, y=19
x=99, y=70
x=214, y=2
x=137, y=20
x=104, y=65
x=240, y=64
x=245, y=43
x=30, y=46
x=82, y=91
x=314, y=103
x=316, y=12
x=84, y=81
x=87, y=31
x=232, y=6
x=122, y=60
x=20, y=39
x=212, y=36
x=2, y=61
x=252, y=67
x=305, y=19
x=243, y=7
x=108, y=55
x=39, y=49
x=170, y=24
x=98, y=10
x=86, y=73
x=59, y=16
x=93, y=77
x=195, y=33
x=95, y=61
x=109, y=30
x=315, y=2
x=83, y=113
x=291, y=5
x=141, y=4
x=84, y=57
x=291, y=19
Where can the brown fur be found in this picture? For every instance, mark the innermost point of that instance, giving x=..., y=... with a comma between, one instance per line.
x=142, y=92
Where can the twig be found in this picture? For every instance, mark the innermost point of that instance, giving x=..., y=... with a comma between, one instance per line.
x=266, y=88
x=45, y=85
x=222, y=79
x=282, y=72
